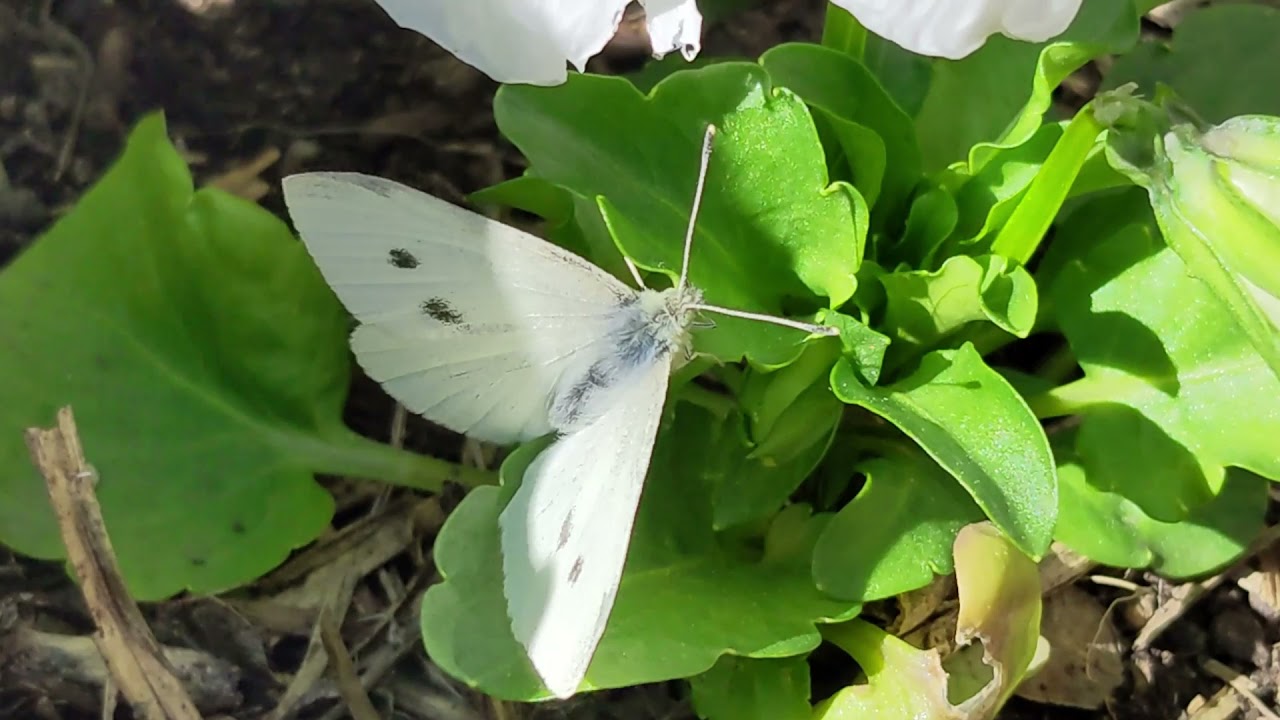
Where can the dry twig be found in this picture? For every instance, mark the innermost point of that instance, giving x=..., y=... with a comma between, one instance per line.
x=1242, y=685
x=344, y=670
x=132, y=654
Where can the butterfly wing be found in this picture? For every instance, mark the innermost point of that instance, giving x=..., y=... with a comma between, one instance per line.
x=566, y=531
x=464, y=320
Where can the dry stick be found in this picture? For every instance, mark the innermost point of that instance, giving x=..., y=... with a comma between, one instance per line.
x=1240, y=684
x=349, y=687
x=110, y=698
x=1191, y=593
x=131, y=652
x=316, y=659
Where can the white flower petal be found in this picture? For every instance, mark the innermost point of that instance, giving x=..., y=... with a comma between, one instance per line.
x=954, y=28
x=514, y=41
x=674, y=25
x=581, y=28
x=1038, y=21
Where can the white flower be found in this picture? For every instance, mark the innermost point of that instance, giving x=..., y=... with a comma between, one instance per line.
x=530, y=41
x=955, y=28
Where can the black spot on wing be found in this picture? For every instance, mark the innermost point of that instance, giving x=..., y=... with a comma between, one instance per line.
x=576, y=571
x=403, y=259
x=437, y=308
x=566, y=529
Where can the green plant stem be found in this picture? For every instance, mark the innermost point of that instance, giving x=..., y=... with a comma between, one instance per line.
x=358, y=456
x=1021, y=235
x=841, y=31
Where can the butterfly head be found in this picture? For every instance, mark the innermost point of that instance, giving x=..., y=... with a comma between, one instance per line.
x=665, y=316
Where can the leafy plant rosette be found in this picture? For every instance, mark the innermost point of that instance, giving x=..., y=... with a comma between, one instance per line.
x=792, y=482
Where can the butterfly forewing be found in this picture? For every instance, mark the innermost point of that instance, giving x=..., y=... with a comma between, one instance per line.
x=464, y=320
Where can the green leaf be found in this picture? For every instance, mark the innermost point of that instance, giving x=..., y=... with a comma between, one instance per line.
x=1215, y=195
x=849, y=95
x=1020, y=237
x=655, y=71
x=896, y=535
x=768, y=397
x=1124, y=451
x=531, y=194
x=744, y=689
x=905, y=75
x=989, y=197
x=926, y=307
x=999, y=591
x=969, y=420
x=999, y=594
x=931, y=220
x=748, y=603
x=1232, y=42
x=1152, y=338
x=206, y=362
x=902, y=681
x=750, y=483
x=842, y=32
x=791, y=417
x=861, y=158
x=997, y=96
x=862, y=346
x=1109, y=529
x=771, y=227
x=1010, y=201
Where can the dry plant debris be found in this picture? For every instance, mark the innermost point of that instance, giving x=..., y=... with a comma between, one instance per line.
x=137, y=664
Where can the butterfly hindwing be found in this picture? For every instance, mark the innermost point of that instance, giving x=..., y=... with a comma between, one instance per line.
x=566, y=531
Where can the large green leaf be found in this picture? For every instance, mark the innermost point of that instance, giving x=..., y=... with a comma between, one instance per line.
x=790, y=418
x=925, y=307
x=771, y=227
x=207, y=365
x=972, y=422
x=987, y=199
x=844, y=89
x=930, y=221
x=896, y=535
x=1156, y=341
x=746, y=689
x=1108, y=528
x=745, y=602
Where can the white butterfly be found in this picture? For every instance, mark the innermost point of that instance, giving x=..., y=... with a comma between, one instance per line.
x=495, y=333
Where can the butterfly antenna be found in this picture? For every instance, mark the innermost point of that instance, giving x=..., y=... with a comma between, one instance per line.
x=784, y=322
x=635, y=272
x=707, y=141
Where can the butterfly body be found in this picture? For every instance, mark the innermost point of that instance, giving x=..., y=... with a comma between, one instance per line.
x=650, y=328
